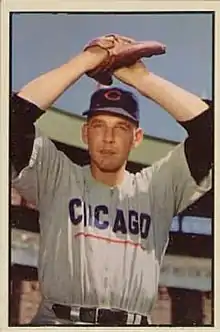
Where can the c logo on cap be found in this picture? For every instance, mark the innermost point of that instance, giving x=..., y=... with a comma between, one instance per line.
x=113, y=95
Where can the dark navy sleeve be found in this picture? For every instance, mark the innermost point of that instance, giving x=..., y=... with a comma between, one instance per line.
x=199, y=149
x=23, y=115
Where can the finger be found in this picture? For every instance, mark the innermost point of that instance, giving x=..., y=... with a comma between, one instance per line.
x=124, y=39
x=120, y=38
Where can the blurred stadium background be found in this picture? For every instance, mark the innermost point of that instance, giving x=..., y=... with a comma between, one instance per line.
x=185, y=296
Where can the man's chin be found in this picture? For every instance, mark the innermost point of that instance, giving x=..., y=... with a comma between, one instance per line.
x=109, y=168
x=108, y=165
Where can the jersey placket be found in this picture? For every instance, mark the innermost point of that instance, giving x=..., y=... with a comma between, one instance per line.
x=108, y=269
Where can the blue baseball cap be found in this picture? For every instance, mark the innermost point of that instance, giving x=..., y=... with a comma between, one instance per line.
x=116, y=101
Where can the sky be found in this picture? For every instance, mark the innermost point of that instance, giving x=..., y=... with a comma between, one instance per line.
x=43, y=41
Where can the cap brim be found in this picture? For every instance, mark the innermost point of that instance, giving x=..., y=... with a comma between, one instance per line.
x=113, y=110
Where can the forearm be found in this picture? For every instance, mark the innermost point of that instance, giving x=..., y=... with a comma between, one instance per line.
x=191, y=112
x=47, y=88
x=181, y=104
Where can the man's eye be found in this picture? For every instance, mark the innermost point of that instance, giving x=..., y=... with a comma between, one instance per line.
x=121, y=127
x=97, y=125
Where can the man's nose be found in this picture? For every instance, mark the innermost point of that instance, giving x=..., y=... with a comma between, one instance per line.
x=109, y=135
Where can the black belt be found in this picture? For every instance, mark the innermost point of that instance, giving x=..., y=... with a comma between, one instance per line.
x=99, y=316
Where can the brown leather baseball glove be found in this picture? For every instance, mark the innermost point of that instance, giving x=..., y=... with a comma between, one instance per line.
x=123, y=52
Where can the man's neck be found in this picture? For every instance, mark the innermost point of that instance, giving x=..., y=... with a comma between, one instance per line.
x=110, y=179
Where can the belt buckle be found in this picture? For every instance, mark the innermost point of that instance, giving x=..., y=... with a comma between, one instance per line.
x=74, y=313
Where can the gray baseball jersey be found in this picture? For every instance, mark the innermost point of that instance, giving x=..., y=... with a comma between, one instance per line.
x=102, y=246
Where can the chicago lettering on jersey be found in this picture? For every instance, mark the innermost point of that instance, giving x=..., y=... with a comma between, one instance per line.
x=137, y=223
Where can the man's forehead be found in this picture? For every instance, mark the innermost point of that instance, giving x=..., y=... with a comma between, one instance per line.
x=107, y=116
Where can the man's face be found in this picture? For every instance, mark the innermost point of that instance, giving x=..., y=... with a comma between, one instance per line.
x=110, y=138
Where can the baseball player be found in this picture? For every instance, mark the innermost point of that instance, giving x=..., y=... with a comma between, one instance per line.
x=103, y=230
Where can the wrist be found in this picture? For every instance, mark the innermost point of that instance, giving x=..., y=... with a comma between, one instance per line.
x=144, y=82
x=140, y=80
x=133, y=76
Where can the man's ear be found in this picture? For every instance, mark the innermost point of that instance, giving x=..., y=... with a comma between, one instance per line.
x=84, y=133
x=138, y=137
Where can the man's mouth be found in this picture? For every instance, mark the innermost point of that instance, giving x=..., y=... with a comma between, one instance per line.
x=107, y=152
